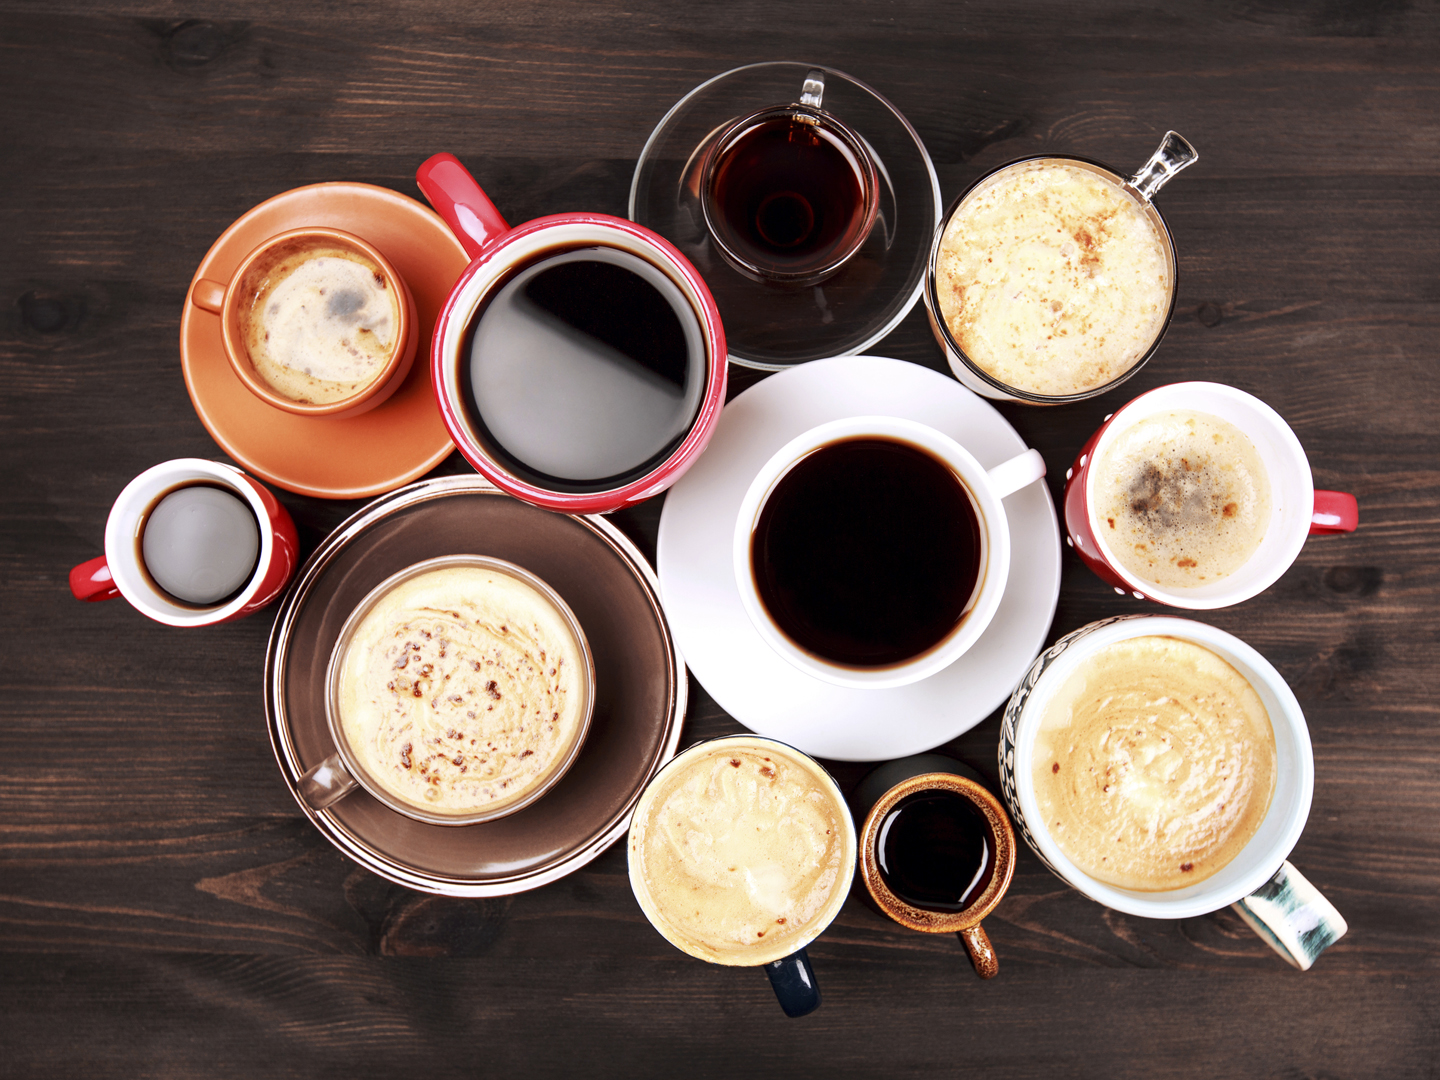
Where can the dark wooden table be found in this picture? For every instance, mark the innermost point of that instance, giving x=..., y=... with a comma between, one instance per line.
x=165, y=909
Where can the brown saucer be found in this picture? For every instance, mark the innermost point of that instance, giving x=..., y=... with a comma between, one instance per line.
x=639, y=684
x=331, y=459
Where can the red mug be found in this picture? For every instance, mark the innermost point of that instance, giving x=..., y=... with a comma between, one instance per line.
x=561, y=414
x=1296, y=509
x=121, y=571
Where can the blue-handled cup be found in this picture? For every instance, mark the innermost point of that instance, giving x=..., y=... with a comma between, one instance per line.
x=742, y=852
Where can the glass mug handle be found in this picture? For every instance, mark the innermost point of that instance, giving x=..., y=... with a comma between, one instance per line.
x=1292, y=917
x=813, y=89
x=793, y=980
x=326, y=783
x=1173, y=154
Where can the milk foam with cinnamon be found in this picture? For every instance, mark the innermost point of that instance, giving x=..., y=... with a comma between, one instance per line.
x=1052, y=278
x=461, y=690
x=740, y=853
x=1154, y=764
x=1181, y=498
x=322, y=324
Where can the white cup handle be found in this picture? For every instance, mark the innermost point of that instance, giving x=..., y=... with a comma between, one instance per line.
x=1292, y=917
x=1021, y=471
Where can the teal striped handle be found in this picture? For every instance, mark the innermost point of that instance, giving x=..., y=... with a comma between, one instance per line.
x=1292, y=917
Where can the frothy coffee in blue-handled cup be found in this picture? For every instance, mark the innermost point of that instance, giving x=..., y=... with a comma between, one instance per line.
x=742, y=852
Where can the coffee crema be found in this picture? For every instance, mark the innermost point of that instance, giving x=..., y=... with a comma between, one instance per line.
x=1052, y=278
x=322, y=323
x=461, y=690
x=868, y=552
x=1154, y=764
x=199, y=543
x=740, y=853
x=1182, y=498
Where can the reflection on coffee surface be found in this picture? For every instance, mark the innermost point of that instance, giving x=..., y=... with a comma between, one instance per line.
x=1181, y=498
x=323, y=321
x=199, y=543
x=461, y=690
x=586, y=369
x=1052, y=278
x=740, y=852
x=1154, y=764
x=868, y=552
x=935, y=851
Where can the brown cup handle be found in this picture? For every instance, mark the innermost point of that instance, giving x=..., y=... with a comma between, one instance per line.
x=208, y=295
x=982, y=954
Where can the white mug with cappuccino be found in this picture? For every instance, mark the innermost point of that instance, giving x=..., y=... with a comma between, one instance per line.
x=1163, y=768
x=1196, y=495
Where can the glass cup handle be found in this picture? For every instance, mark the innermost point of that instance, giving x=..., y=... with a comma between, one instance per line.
x=326, y=783
x=793, y=980
x=1292, y=917
x=982, y=953
x=1173, y=154
x=813, y=89
x=1020, y=471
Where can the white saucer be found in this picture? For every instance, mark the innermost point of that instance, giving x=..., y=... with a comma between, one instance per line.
x=724, y=651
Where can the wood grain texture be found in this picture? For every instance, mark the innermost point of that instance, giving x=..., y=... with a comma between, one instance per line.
x=165, y=908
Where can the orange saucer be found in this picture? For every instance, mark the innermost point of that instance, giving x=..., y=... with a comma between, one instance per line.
x=357, y=457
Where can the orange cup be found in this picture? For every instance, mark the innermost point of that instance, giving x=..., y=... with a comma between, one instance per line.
x=229, y=300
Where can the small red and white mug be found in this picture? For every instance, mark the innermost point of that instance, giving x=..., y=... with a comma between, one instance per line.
x=1298, y=510
x=121, y=572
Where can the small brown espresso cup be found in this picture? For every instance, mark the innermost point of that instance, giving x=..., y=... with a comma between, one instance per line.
x=936, y=849
x=370, y=374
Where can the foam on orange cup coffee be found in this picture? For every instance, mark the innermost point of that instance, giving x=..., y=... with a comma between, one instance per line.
x=1053, y=278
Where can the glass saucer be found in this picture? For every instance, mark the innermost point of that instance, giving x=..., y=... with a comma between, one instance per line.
x=767, y=325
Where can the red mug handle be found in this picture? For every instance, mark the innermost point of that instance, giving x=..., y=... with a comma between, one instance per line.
x=1335, y=512
x=91, y=581
x=457, y=198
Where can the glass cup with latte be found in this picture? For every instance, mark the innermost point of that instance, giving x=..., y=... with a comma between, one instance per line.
x=1052, y=278
x=1196, y=495
x=741, y=852
x=1163, y=768
x=460, y=690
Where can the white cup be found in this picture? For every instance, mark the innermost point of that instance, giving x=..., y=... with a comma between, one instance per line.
x=1268, y=892
x=1297, y=509
x=985, y=488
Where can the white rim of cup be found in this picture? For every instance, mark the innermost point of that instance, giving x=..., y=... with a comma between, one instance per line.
x=843, y=882
x=123, y=531
x=994, y=550
x=520, y=251
x=1279, y=830
x=1292, y=490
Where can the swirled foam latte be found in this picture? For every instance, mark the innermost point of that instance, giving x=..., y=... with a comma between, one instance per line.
x=741, y=852
x=1154, y=764
x=461, y=690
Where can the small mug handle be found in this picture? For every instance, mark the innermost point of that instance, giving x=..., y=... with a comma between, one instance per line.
x=457, y=198
x=1335, y=512
x=92, y=581
x=1173, y=154
x=326, y=783
x=208, y=295
x=982, y=953
x=812, y=91
x=1020, y=471
x=793, y=980
x=1292, y=917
